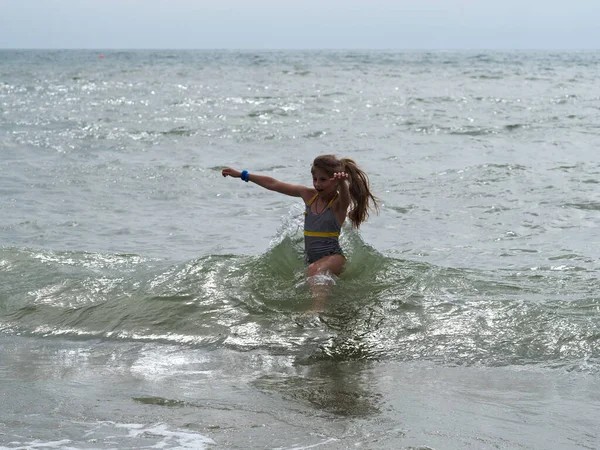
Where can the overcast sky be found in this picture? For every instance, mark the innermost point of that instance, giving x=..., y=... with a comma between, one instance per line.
x=300, y=24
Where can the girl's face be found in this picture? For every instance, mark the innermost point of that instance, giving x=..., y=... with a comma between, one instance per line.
x=322, y=182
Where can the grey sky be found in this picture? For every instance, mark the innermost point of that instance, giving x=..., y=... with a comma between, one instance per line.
x=304, y=24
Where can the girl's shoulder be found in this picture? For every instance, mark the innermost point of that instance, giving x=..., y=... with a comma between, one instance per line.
x=342, y=201
x=309, y=194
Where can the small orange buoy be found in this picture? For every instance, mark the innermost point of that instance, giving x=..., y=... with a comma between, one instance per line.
x=101, y=56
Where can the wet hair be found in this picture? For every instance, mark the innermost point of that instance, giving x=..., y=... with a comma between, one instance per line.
x=361, y=198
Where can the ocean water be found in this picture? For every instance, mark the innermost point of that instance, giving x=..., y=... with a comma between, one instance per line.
x=147, y=302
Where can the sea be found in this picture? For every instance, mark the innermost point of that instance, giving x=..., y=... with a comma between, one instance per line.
x=148, y=302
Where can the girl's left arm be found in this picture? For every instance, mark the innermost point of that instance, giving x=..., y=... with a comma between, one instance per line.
x=344, y=192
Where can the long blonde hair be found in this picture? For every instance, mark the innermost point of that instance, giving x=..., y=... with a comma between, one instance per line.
x=361, y=198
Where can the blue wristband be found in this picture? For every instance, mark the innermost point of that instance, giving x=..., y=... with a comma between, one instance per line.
x=245, y=176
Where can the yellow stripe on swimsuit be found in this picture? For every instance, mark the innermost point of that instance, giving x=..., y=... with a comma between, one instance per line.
x=321, y=233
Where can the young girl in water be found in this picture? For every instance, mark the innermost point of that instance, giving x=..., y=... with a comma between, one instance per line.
x=340, y=189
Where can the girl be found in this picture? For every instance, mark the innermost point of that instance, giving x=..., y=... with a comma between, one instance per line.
x=337, y=186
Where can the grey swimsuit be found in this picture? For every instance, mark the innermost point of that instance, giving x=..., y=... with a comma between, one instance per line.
x=321, y=233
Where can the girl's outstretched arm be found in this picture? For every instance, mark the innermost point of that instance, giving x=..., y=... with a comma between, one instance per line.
x=293, y=190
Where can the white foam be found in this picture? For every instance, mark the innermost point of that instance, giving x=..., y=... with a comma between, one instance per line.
x=322, y=279
x=39, y=444
x=153, y=363
x=304, y=447
x=167, y=438
x=144, y=436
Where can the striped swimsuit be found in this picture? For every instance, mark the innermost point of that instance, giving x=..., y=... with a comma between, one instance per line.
x=321, y=233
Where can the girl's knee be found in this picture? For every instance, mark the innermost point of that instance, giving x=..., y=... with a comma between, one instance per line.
x=312, y=270
x=329, y=264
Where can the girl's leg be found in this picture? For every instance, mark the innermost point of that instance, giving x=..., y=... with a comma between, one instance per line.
x=332, y=264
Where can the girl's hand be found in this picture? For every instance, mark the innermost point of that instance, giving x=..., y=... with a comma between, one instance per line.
x=231, y=173
x=340, y=176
